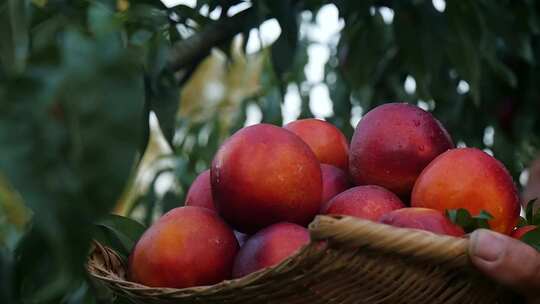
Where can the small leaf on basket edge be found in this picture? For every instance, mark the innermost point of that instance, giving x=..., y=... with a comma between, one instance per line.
x=532, y=238
x=463, y=218
x=118, y=232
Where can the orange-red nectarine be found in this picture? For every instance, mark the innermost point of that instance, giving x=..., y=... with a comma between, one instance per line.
x=187, y=246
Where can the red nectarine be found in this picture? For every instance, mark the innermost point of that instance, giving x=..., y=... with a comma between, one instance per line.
x=269, y=247
x=187, y=246
x=263, y=175
x=327, y=142
x=471, y=179
x=392, y=144
x=334, y=181
x=422, y=218
x=367, y=202
x=200, y=192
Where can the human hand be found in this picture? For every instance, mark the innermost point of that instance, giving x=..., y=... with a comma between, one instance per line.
x=508, y=261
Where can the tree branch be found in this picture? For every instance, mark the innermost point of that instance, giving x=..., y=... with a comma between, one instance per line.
x=184, y=53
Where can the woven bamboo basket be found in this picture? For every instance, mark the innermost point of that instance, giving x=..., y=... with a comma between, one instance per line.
x=347, y=261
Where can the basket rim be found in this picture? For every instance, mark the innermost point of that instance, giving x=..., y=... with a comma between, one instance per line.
x=326, y=232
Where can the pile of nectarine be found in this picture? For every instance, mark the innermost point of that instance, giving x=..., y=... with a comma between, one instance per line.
x=267, y=183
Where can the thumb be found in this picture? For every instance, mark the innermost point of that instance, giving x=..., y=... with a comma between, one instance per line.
x=507, y=260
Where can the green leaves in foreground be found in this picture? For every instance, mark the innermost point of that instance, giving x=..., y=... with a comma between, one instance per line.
x=70, y=132
x=119, y=233
x=463, y=218
x=532, y=238
x=532, y=217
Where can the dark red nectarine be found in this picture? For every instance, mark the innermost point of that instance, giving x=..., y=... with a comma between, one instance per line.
x=187, y=246
x=269, y=247
x=263, y=175
x=471, y=179
x=334, y=181
x=200, y=192
x=422, y=218
x=367, y=202
x=327, y=142
x=392, y=144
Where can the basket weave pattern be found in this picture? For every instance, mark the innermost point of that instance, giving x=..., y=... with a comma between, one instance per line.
x=348, y=261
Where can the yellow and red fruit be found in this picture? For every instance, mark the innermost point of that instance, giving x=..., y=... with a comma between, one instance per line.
x=471, y=179
x=327, y=142
x=187, y=246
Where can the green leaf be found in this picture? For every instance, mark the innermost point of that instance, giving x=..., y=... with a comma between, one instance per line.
x=482, y=219
x=529, y=211
x=465, y=220
x=504, y=72
x=466, y=28
x=532, y=238
x=119, y=233
x=40, y=3
x=78, y=134
x=522, y=222
x=451, y=214
x=187, y=12
x=484, y=215
x=6, y=276
x=284, y=48
x=164, y=101
x=162, y=91
x=14, y=34
x=536, y=219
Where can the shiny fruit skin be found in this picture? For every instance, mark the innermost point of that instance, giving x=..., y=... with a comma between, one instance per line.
x=366, y=202
x=334, y=182
x=327, y=142
x=269, y=247
x=263, y=175
x=423, y=219
x=392, y=144
x=186, y=247
x=471, y=179
x=200, y=192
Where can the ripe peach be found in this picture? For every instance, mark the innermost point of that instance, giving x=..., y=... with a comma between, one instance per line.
x=520, y=232
x=187, y=246
x=367, y=202
x=334, y=181
x=200, y=192
x=263, y=175
x=269, y=247
x=471, y=179
x=422, y=218
x=327, y=142
x=392, y=144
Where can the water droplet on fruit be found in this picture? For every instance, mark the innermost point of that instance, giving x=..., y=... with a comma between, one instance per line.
x=416, y=123
x=421, y=148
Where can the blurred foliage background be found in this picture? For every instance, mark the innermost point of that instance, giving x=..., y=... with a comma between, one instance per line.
x=115, y=106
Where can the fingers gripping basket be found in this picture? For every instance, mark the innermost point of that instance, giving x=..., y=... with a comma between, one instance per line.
x=348, y=261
